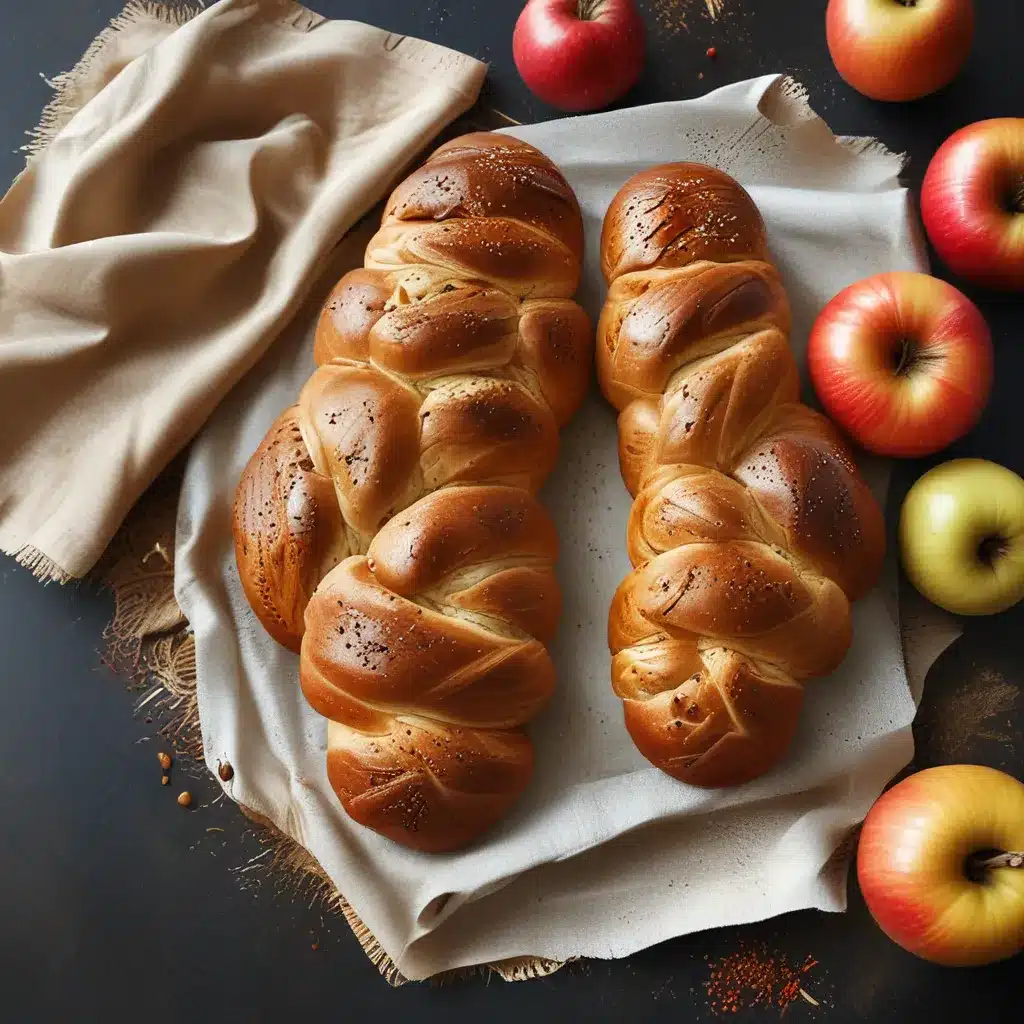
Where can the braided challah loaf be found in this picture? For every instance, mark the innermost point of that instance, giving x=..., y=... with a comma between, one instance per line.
x=387, y=524
x=751, y=530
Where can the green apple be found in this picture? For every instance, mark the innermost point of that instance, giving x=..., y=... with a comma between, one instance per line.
x=962, y=536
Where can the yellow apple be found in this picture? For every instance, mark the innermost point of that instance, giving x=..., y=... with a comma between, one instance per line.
x=962, y=536
x=941, y=864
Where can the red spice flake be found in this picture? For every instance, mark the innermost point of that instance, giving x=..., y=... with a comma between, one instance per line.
x=753, y=977
x=712, y=52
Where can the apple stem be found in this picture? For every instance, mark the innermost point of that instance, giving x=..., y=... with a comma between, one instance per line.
x=1004, y=860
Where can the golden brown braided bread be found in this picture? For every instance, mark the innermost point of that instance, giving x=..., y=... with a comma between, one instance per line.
x=387, y=525
x=751, y=530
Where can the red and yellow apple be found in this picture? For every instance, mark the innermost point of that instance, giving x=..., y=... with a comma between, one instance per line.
x=935, y=864
x=579, y=54
x=962, y=536
x=902, y=362
x=899, y=50
x=972, y=202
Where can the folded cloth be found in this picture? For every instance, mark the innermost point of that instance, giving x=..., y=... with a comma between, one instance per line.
x=155, y=248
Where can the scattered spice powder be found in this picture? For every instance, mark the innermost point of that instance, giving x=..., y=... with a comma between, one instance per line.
x=671, y=14
x=951, y=720
x=753, y=977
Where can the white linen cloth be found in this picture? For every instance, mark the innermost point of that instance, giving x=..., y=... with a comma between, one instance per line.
x=604, y=855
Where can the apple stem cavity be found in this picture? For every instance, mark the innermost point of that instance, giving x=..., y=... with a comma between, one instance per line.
x=906, y=357
x=588, y=10
x=1015, y=201
x=909, y=356
x=991, y=548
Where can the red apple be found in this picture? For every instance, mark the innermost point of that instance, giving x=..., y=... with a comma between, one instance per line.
x=899, y=50
x=937, y=868
x=902, y=362
x=579, y=54
x=972, y=202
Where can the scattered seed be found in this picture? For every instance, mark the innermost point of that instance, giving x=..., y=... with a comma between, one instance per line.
x=165, y=760
x=185, y=799
x=225, y=771
x=165, y=781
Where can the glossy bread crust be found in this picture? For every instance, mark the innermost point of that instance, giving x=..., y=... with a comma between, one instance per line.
x=751, y=529
x=387, y=527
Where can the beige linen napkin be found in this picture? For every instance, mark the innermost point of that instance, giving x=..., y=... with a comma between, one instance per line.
x=153, y=250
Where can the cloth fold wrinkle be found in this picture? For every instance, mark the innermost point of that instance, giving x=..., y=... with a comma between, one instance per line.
x=159, y=243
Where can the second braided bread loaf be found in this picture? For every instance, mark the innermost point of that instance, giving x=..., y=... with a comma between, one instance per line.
x=751, y=530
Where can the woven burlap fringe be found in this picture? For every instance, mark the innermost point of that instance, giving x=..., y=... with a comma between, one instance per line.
x=41, y=565
x=136, y=29
x=148, y=638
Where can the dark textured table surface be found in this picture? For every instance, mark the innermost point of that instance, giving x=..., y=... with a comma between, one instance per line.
x=116, y=905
